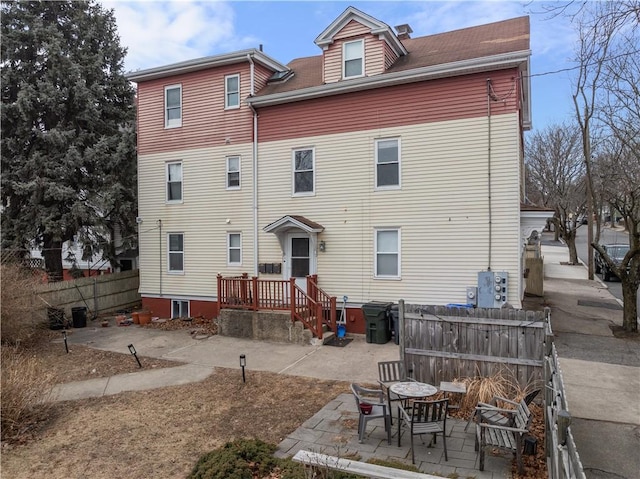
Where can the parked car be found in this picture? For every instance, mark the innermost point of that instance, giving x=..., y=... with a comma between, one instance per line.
x=616, y=252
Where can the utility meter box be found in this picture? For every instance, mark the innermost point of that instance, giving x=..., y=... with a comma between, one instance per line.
x=492, y=289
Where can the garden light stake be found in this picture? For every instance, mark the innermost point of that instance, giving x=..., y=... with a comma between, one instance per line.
x=132, y=350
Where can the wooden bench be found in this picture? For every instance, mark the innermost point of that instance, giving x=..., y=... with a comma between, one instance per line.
x=509, y=438
x=373, y=471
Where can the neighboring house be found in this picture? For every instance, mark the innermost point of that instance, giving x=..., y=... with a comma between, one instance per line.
x=390, y=166
x=74, y=266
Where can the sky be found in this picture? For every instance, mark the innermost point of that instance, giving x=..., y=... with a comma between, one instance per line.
x=158, y=33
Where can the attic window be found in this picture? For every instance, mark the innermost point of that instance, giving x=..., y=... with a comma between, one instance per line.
x=353, y=54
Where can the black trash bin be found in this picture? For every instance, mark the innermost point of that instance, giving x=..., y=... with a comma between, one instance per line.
x=56, y=318
x=394, y=323
x=79, y=316
x=376, y=315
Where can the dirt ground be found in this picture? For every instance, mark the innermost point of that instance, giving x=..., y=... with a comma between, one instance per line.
x=162, y=432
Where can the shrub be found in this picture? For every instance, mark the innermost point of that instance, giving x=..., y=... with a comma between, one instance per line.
x=249, y=458
x=19, y=322
x=25, y=390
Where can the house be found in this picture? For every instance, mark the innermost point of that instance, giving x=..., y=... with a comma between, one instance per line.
x=389, y=166
x=75, y=266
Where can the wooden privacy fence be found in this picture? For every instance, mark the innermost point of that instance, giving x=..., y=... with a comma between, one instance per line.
x=106, y=293
x=563, y=459
x=440, y=343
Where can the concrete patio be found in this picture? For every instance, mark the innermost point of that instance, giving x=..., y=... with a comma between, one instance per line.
x=334, y=431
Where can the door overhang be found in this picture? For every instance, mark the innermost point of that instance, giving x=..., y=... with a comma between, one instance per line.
x=294, y=224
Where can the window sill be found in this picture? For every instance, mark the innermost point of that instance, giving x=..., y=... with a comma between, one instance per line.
x=170, y=127
x=232, y=107
x=302, y=195
x=174, y=202
x=176, y=273
x=388, y=278
x=388, y=188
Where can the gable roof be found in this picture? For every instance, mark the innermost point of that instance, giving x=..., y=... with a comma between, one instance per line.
x=493, y=46
x=377, y=27
x=206, y=62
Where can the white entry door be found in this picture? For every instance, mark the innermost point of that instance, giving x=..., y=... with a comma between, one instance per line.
x=298, y=258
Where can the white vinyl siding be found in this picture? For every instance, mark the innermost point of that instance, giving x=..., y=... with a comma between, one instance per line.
x=234, y=249
x=233, y=172
x=200, y=218
x=174, y=182
x=387, y=164
x=303, y=172
x=173, y=106
x=353, y=54
x=232, y=91
x=175, y=248
x=179, y=308
x=441, y=211
x=387, y=257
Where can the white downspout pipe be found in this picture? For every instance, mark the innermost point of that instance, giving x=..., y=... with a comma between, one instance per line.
x=255, y=168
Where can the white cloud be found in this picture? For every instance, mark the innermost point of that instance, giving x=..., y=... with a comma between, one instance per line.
x=160, y=33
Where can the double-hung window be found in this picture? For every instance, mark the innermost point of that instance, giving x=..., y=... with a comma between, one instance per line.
x=172, y=106
x=174, y=182
x=234, y=248
x=303, y=172
x=233, y=172
x=387, y=258
x=232, y=91
x=179, y=308
x=388, y=163
x=176, y=252
x=353, y=59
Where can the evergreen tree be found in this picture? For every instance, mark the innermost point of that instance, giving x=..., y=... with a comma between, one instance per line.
x=68, y=130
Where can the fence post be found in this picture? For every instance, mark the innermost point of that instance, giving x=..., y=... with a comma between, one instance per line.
x=219, y=278
x=254, y=287
x=332, y=314
x=401, y=330
x=292, y=295
x=564, y=421
x=319, y=319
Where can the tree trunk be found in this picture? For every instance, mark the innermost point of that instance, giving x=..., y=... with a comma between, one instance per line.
x=52, y=254
x=571, y=244
x=630, y=311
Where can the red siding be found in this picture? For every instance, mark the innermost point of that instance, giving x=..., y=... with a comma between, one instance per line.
x=410, y=104
x=205, y=122
x=161, y=307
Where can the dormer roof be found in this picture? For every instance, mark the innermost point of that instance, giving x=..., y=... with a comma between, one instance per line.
x=381, y=29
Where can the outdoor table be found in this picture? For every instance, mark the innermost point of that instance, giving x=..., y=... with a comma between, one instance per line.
x=413, y=390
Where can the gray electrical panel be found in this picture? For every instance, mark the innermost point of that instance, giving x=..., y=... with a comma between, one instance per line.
x=472, y=296
x=492, y=289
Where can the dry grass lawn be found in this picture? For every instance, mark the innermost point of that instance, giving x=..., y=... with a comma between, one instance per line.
x=158, y=433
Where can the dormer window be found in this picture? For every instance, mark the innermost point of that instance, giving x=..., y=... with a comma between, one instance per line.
x=353, y=55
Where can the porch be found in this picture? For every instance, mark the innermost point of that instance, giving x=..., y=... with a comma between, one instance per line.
x=311, y=306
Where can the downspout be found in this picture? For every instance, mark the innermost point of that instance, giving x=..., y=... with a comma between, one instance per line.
x=255, y=169
x=160, y=253
x=489, y=168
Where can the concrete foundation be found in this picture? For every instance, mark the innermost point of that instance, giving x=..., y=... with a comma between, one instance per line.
x=274, y=326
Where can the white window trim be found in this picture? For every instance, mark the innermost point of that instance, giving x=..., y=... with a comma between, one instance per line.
x=375, y=166
x=229, y=233
x=181, y=301
x=226, y=92
x=375, y=254
x=293, y=172
x=174, y=123
x=344, y=59
x=166, y=182
x=169, y=270
x=239, y=173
